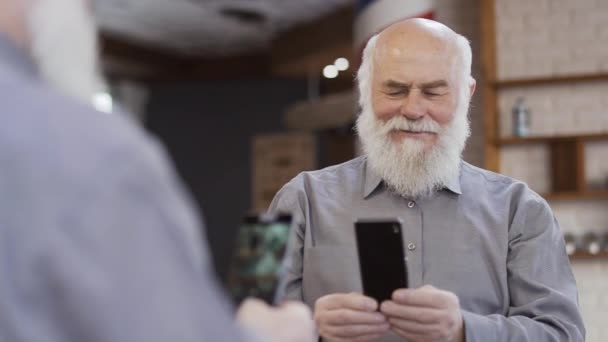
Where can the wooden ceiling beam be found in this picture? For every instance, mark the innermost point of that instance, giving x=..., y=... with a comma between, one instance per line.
x=153, y=64
x=309, y=47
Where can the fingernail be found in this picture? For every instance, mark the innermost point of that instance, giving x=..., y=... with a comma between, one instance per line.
x=399, y=295
x=387, y=306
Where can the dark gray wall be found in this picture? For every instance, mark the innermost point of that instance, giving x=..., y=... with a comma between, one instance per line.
x=207, y=128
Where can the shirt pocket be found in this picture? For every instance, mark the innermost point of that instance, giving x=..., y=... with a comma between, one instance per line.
x=330, y=269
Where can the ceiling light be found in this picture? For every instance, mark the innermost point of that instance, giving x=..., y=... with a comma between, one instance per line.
x=342, y=64
x=330, y=71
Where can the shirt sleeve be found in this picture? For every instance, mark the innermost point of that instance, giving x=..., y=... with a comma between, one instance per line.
x=542, y=288
x=126, y=262
x=290, y=200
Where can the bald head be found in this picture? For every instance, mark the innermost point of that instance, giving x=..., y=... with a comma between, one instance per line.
x=426, y=37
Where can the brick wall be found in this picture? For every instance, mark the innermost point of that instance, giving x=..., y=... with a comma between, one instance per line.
x=593, y=297
x=543, y=38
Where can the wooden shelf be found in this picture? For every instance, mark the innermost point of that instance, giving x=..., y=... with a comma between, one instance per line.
x=550, y=80
x=589, y=256
x=575, y=195
x=549, y=139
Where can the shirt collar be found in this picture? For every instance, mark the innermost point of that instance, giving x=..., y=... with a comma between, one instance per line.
x=454, y=183
x=16, y=59
x=371, y=181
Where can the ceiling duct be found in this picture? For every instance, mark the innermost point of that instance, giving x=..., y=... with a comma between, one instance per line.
x=246, y=16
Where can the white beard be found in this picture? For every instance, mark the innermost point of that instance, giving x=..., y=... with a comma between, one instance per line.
x=406, y=168
x=63, y=43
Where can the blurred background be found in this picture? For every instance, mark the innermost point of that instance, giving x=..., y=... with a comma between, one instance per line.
x=247, y=93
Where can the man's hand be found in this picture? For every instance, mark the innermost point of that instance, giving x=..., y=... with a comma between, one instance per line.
x=349, y=317
x=425, y=314
x=291, y=322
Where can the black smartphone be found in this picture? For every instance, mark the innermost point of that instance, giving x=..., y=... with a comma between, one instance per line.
x=381, y=258
x=257, y=264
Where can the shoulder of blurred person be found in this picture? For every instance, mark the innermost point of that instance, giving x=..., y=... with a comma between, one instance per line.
x=98, y=227
x=99, y=238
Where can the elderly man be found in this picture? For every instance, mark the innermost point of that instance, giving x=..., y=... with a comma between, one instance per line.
x=97, y=240
x=485, y=256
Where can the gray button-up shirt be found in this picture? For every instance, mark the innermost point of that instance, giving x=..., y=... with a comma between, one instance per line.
x=97, y=241
x=487, y=238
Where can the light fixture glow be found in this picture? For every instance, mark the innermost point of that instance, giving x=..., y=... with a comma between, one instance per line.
x=330, y=71
x=103, y=102
x=342, y=64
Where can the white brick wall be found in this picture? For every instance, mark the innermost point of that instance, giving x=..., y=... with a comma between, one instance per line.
x=551, y=37
x=593, y=297
x=535, y=158
x=542, y=38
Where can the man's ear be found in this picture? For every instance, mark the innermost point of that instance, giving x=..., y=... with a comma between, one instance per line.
x=472, y=85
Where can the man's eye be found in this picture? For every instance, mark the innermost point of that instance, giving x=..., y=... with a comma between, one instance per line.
x=430, y=93
x=396, y=93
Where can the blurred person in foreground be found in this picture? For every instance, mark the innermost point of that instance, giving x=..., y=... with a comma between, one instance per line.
x=486, y=258
x=98, y=242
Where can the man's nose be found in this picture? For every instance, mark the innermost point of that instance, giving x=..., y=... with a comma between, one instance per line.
x=412, y=106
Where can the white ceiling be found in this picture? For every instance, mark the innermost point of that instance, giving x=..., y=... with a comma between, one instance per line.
x=198, y=26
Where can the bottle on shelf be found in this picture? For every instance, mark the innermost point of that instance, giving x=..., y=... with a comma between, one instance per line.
x=521, y=118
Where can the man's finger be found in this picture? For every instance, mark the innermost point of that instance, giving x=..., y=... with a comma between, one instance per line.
x=418, y=314
x=412, y=327
x=423, y=297
x=362, y=338
x=354, y=301
x=411, y=337
x=348, y=316
x=352, y=331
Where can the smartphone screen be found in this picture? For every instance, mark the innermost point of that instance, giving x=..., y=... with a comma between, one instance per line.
x=258, y=259
x=381, y=258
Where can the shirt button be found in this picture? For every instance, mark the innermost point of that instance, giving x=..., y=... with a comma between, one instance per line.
x=411, y=204
x=411, y=246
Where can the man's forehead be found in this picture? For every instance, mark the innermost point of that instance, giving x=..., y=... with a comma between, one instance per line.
x=404, y=49
x=417, y=73
x=414, y=61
